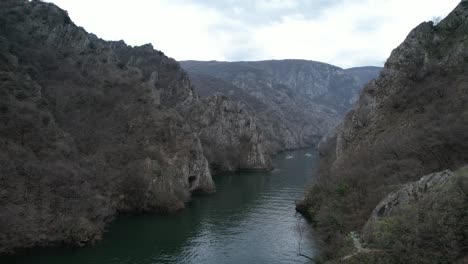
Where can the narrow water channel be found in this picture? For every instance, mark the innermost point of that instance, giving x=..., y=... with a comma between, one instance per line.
x=251, y=219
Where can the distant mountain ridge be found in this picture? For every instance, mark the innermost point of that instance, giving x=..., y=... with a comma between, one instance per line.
x=295, y=101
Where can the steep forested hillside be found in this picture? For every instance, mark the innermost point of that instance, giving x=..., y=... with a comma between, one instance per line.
x=411, y=121
x=89, y=128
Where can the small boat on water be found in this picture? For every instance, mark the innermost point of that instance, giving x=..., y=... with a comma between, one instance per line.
x=289, y=156
x=308, y=155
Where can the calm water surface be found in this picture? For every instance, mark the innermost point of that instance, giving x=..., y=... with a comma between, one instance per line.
x=251, y=219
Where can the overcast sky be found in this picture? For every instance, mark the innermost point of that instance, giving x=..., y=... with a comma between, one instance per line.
x=345, y=33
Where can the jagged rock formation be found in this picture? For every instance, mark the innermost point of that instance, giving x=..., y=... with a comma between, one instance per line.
x=229, y=134
x=89, y=128
x=296, y=102
x=409, y=122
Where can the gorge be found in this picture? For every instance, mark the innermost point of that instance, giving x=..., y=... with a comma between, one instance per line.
x=92, y=128
x=296, y=102
x=111, y=153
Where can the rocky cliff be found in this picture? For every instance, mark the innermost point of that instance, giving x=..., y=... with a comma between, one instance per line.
x=409, y=122
x=230, y=136
x=295, y=101
x=89, y=128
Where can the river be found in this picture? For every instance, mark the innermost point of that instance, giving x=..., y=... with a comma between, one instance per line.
x=250, y=219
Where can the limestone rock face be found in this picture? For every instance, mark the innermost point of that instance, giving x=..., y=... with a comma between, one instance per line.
x=295, y=102
x=230, y=136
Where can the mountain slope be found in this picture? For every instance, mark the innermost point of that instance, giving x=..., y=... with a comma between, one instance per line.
x=296, y=102
x=409, y=122
x=89, y=128
x=364, y=74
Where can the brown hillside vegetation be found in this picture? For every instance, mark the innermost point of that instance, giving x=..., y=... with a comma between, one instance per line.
x=411, y=121
x=89, y=128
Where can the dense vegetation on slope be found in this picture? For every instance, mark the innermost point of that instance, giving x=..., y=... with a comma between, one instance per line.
x=423, y=222
x=295, y=101
x=411, y=121
x=89, y=128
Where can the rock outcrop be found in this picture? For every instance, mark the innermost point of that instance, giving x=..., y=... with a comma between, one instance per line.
x=89, y=128
x=230, y=136
x=295, y=102
x=407, y=195
x=426, y=220
x=411, y=121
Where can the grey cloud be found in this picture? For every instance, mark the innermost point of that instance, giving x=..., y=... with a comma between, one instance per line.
x=248, y=11
x=356, y=58
x=242, y=17
x=245, y=51
x=369, y=24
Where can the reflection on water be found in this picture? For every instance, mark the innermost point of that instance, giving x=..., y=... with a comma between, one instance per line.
x=251, y=219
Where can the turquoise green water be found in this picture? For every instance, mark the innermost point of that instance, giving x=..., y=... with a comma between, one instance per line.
x=251, y=219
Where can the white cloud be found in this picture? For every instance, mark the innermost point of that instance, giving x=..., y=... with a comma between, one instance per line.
x=346, y=33
x=275, y=4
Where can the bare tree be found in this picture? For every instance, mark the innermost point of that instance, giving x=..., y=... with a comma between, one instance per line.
x=300, y=228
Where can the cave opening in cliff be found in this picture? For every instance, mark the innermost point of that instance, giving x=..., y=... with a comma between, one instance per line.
x=192, y=180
